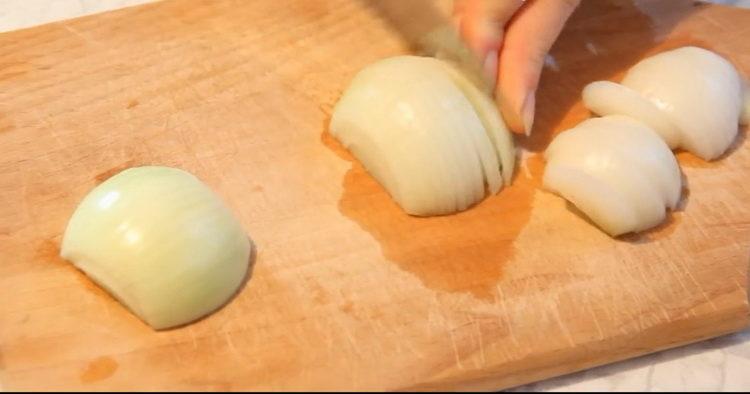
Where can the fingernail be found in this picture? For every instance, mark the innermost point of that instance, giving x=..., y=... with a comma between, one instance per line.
x=527, y=112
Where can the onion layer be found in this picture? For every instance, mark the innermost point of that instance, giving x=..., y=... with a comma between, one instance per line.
x=609, y=98
x=161, y=242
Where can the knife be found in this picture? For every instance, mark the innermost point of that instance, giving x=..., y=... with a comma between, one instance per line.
x=431, y=33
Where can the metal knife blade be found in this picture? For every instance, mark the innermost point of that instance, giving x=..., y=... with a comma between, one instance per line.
x=431, y=33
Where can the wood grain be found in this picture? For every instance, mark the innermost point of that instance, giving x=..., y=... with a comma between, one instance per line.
x=348, y=292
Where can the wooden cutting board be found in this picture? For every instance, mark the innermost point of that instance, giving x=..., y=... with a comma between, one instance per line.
x=348, y=292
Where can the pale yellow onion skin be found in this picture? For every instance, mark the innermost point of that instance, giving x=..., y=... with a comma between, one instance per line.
x=161, y=242
x=420, y=128
x=695, y=96
x=615, y=170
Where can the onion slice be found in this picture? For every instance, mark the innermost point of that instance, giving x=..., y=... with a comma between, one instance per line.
x=609, y=98
x=617, y=171
x=695, y=96
x=497, y=130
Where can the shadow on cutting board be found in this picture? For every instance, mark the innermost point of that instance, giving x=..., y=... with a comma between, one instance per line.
x=688, y=159
x=467, y=252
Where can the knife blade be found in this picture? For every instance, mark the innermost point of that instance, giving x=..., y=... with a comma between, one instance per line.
x=430, y=33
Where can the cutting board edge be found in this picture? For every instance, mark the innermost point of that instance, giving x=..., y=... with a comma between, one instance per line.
x=736, y=321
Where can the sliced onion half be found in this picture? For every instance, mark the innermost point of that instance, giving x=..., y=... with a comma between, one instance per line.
x=425, y=133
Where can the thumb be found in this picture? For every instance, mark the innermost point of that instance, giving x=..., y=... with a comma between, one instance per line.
x=528, y=38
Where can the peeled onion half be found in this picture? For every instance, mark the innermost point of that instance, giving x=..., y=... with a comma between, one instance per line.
x=692, y=97
x=425, y=133
x=161, y=242
x=615, y=170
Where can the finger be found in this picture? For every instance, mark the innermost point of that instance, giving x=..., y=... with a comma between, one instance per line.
x=481, y=23
x=528, y=38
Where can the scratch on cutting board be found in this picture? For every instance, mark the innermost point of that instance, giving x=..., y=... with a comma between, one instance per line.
x=80, y=35
x=329, y=340
x=703, y=292
x=455, y=351
x=232, y=348
x=435, y=316
x=665, y=314
x=413, y=349
x=560, y=323
x=739, y=286
x=677, y=275
x=591, y=311
x=506, y=320
x=482, y=355
x=352, y=340
x=596, y=323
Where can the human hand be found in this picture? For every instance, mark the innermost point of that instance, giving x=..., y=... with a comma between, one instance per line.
x=513, y=37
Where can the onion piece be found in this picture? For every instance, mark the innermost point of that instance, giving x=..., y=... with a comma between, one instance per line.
x=698, y=90
x=649, y=157
x=586, y=150
x=415, y=125
x=161, y=242
x=596, y=166
x=609, y=98
x=695, y=99
x=606, y=207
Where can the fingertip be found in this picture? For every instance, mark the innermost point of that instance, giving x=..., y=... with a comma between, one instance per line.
x=511, y=112
x=527, y=112
x=527, y=42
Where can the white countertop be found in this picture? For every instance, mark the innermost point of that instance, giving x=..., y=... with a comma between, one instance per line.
x=721, y=364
